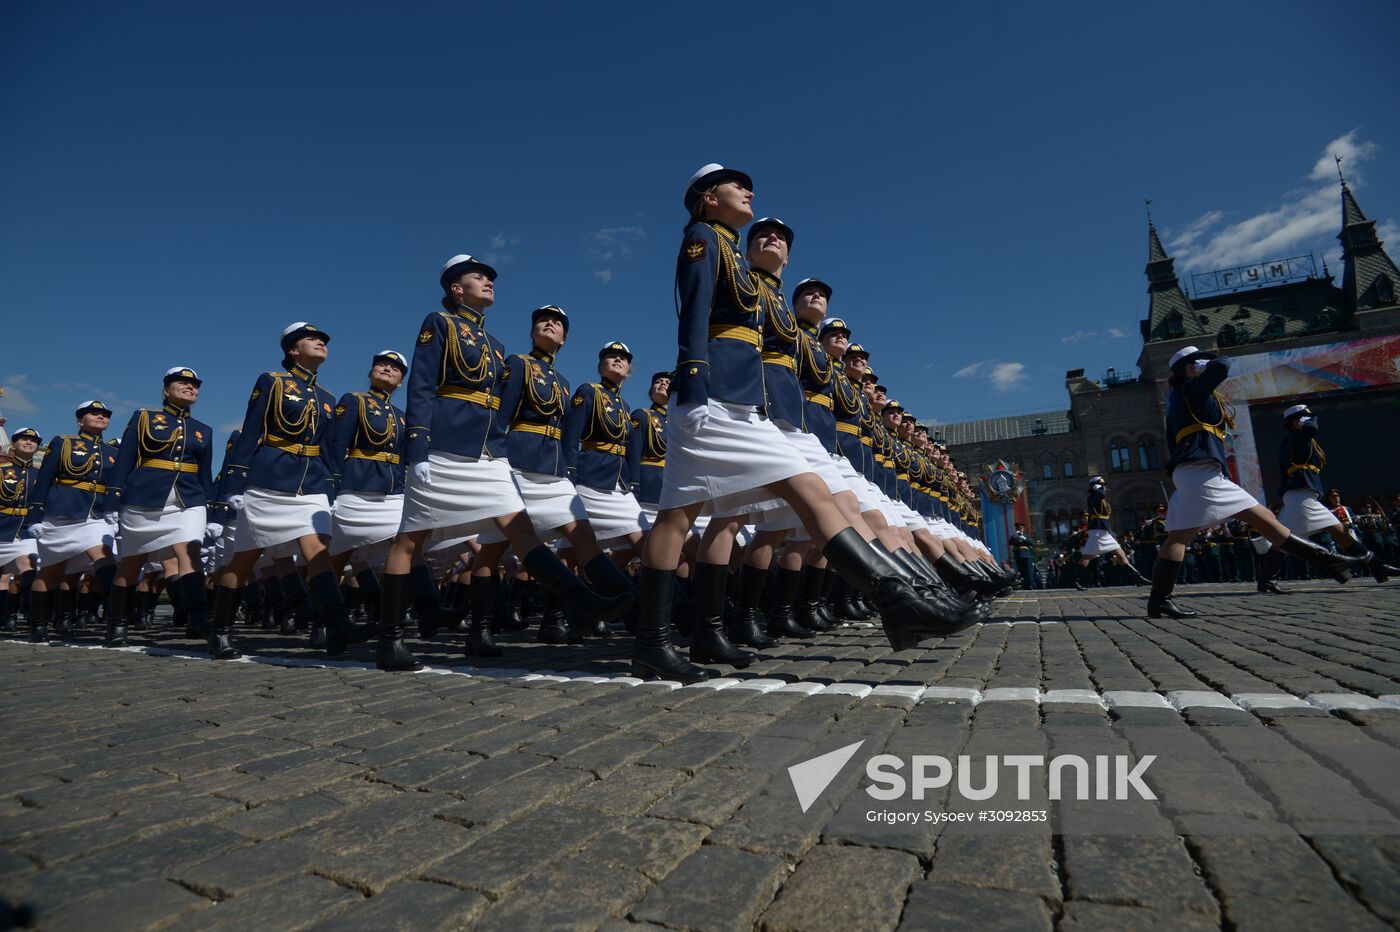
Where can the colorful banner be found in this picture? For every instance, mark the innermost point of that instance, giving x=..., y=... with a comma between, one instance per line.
x=1296, y=375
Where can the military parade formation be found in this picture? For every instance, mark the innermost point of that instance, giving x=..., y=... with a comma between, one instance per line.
x=771, y=489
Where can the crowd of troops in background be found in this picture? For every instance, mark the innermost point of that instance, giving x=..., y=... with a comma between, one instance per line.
x=1226, y=553
x=771, y=489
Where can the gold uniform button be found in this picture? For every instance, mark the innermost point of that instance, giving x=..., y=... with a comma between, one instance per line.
x=694, y=371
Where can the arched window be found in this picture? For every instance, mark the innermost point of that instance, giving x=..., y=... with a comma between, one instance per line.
x=1174, y=325
x=1047, y=470
x=1119, y=456
x=1147, y=454
x=1069, y=469
x=1385, y=289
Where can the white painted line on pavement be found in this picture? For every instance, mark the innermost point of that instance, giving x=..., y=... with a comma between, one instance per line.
x=1179, y=700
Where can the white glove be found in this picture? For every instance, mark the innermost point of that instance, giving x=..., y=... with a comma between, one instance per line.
x=214, y=529
x=235, y=502
x=37, y=531
x=112, y=518
x=422, y=473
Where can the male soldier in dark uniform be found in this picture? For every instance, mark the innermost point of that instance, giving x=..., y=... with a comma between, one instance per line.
x=1240, y=544
x=1023, y=553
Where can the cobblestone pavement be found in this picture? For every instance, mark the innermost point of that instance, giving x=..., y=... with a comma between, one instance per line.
x=144, y=789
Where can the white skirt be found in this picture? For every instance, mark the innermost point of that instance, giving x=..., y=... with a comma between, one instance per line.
x=614, y=515
x=911, y=518
x=156, y=530
x=865, y=493
x=1204, y=497
x=1098, y=543
x=269, y=519
x=1303, y=514
x=550, y=501
x=463, y=498
x=362, y=520
x=943, y=530
x=723, y=455
x=12, y=550
x=66, y=538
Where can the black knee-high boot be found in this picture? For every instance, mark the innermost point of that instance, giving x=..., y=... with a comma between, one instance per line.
x=254, y=600
x=554, y=628
x=905, y=615
x=6, y=623
x=582, y=606
x=193, y=596
x=40, y=606
x=708, y=643
x=482, y=593
x=1269, y=566
x=1336, y=565
x=63, y=607
x=178, y=616
x=654, y=654
x=1159, y=602
x=369, y=592
x=431, y=614
x=781, y=623
x=392, y=654
x=1379, y=571
x=340, y=630
x=960, y=612
x=743, y=627
x=298, y=601
x=276, y=603
x=607, y=579
x=809, y=600
x=221, y=629
x=115, y=617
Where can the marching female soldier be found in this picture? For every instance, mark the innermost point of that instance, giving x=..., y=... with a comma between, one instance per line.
x=164, y=477
x=459, y=480
x=722, y=454
x=537, y=445
x=1300, y=460
x=1101, y=541
x=279, y=481
x=646, y=448
x=596, y=429
x=1198, y=418
x=71, y=514
x=17, y=547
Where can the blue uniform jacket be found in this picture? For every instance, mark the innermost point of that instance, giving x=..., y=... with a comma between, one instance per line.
x=164, y=449
x=782, y=394
x=851, y=415
x=532, y=404
x=17, y=481
x=817, y=375
x=367, y=444
x=646, y=453
x=595, y=436
x=284, y=445
x=720, y=319
x=72, y=481
x=1099, y=511
x=1198, y=417
x=1300, y=459
x=454, y=388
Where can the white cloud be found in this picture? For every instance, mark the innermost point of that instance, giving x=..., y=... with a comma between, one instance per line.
x=1008, y=376
x=1079, y=335
x=500, y=248
x=1116, y=333
x=603, y=275
x=614, y=242
x=1306, y=219
x=16, y=399
x=1004, y=376
x=968, y=371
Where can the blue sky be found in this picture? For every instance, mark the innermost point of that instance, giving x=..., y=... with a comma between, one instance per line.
x=179, y=181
